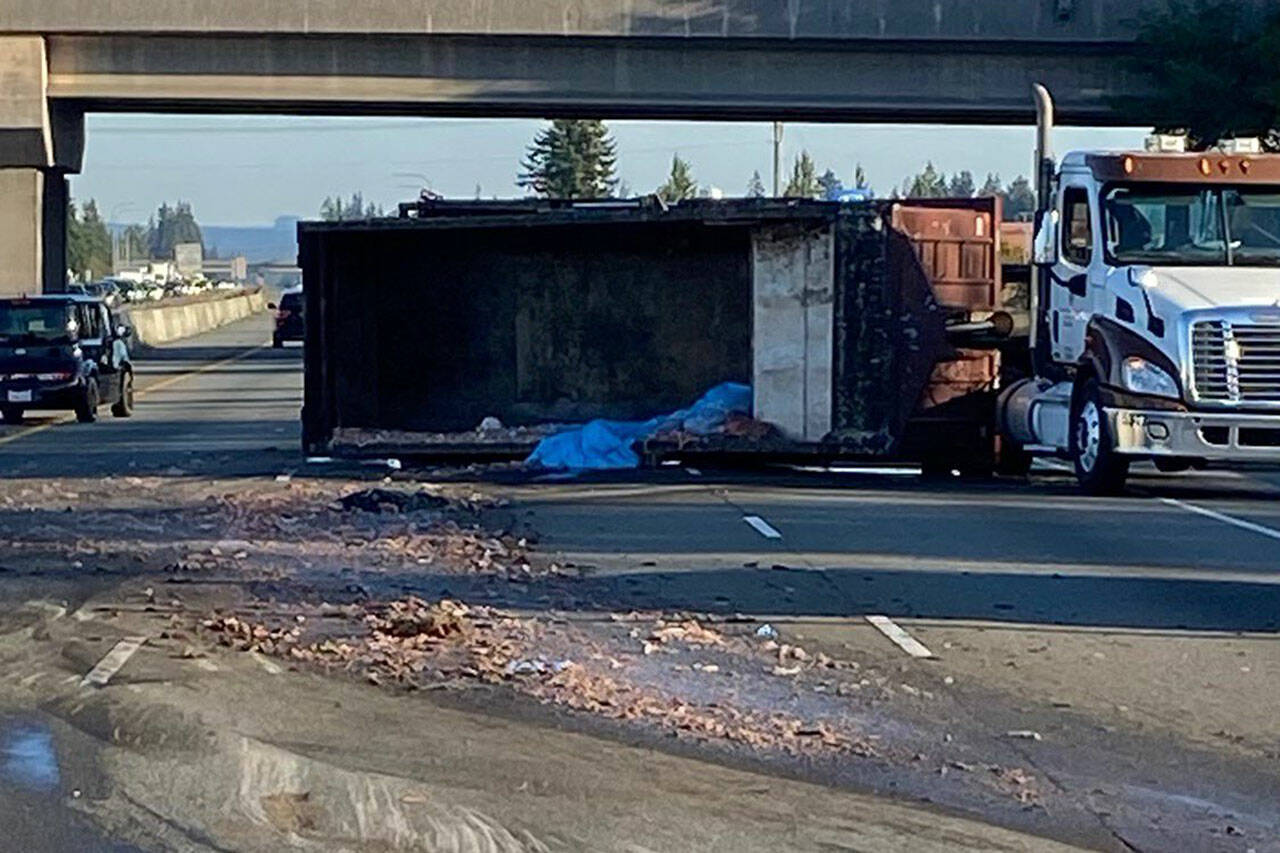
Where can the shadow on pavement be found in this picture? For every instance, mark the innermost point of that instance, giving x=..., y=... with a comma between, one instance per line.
x=1143, y=484
x=1080, y=601
x=147, y=355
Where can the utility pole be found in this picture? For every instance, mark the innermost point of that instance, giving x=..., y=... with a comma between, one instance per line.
x=777, y=158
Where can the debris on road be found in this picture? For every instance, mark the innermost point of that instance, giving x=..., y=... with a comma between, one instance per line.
x=391, y=500
x=1023, y=734
x=415, y=642
x=688, y=631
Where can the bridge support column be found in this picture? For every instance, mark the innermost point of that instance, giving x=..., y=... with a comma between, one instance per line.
x=39, y=144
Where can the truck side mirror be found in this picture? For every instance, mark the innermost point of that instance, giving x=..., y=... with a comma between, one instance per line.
x=1044, y=249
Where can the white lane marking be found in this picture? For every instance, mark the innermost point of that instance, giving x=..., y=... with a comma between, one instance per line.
x=899, y=636
x=764, y=528
x=694, y=472
x=112, y=661
x=1225, y=519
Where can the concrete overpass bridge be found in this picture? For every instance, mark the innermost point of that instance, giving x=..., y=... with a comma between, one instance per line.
x=821, y=60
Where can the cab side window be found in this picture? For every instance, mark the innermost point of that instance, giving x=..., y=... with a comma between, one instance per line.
x=1077, y=229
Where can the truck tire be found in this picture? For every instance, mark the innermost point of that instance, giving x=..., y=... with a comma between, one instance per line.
x=123, y=407
x=87, y=405
x=12, y=414
x=1099, y=469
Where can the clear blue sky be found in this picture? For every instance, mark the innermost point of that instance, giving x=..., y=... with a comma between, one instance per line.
x=243, y=170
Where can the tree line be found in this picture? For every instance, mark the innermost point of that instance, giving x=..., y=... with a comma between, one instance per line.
x=89, y=254
x=576, y=158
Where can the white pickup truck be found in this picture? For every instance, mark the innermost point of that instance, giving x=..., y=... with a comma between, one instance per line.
x=1155, y=311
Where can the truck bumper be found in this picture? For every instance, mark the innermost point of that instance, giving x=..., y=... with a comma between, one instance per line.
x=1220, y=436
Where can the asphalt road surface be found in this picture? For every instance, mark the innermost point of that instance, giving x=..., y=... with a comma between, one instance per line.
x=1199, y=550
x=1183, y=556
x=224, y=400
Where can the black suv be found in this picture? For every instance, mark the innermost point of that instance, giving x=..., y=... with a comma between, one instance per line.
x=289, y=325
x=63, y=351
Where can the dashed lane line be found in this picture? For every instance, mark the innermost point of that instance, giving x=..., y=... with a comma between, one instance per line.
x=1225, y=519
x=112, y=661
x=764, y=528
x=899, y=636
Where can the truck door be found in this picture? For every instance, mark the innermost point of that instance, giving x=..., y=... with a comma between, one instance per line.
x=1071, y=302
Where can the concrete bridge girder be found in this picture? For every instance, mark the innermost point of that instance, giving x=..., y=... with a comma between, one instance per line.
x=969, y=61
x=40, y=142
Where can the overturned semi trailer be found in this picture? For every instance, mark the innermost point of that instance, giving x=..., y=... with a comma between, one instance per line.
x=868, y=329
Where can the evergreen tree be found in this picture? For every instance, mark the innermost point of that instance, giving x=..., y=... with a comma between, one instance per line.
x=830, y=184
x=571, y=158
x=1019, y=200
x=860, y=178
x=680, y=184
x=1212, y=65
x=992, y=186
x=755, y=186
x=88, y=242
x=334, y=209
x=804, y=179
x=171, y=226
x=930, y=183
x=961, y=185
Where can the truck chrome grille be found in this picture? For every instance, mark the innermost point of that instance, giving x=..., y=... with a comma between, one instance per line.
x=1236, y=362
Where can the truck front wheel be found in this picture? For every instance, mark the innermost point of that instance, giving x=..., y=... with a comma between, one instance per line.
x=1099, y=469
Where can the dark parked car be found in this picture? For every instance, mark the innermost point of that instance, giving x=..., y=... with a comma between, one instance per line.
x=64, y=351
x=289, y=326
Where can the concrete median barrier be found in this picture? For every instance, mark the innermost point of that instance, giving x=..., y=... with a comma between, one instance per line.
x=153, y=325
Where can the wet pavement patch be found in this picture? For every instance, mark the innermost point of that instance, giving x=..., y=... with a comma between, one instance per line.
x=27, y=756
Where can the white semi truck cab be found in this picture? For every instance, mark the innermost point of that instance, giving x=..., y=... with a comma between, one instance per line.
x=1155, y=311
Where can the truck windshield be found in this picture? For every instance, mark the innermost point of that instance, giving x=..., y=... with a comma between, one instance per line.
x=1183, y=225
x=35, y=323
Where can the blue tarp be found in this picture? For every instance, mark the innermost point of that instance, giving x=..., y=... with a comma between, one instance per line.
x=607, y=444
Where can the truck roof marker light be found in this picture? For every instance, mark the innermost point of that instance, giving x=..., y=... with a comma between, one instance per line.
x=1128, y=165
x=1205, y=168
x=1244, y=166
x=1225, y=166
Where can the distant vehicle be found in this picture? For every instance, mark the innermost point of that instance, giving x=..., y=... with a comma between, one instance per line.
x=289, y=325
x=65, y=351
x=107, y=289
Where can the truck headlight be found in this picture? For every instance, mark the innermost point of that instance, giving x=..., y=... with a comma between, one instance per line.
x=1144, y=377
